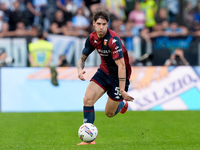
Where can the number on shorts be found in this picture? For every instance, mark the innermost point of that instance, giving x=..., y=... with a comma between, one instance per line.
x=117, y=91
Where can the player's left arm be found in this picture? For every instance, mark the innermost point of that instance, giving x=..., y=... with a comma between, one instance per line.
x=121, y=74
x=117, y=54
x=122, y=79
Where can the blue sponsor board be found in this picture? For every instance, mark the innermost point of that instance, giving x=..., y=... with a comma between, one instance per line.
x=31, y=90
x=20, y=94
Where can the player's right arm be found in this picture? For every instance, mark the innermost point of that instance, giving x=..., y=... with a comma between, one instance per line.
x=88, y=49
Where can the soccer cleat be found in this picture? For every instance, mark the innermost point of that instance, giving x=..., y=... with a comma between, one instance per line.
x=84, y=143
x=124, y=109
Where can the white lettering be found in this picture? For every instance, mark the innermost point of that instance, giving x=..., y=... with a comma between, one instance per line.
x=104, y=51
x=119, y=50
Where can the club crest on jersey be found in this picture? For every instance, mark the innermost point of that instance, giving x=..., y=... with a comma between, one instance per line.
x=105, y=43
x=95, y=41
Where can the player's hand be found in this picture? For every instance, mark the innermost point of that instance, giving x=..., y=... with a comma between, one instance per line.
x=80, y=75
x=126, y=96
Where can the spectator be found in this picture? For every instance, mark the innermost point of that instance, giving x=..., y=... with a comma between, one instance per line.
x=117, y=8
x=20, y=29
x=4, y=29
x=4, y=60
x=164, y=24
x=3, y=56
x=80, y=21
x=119, y=27
x=156, y=31
x=62, y=61
x=59, y=18
x=73, y=5
x=131, y=31
x=161, y=16
x=16, y=16
x=6, y=11
x=137, y=16
x=37, y=13
x=176, y=30
x=173, y=9
x=188, y=14
x=177, y=59
x=52, y=8
x=8, y=4
x=133, y=61
x=197, y=13
x=70, y=30
x=92, y=5
x=61, y=5
x=130, y=5
x=196, y=29
x=150, y=9
x=54, y=29
x=1, y=19
x=40, y=52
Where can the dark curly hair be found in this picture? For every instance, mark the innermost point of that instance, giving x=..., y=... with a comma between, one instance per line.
x=103, y=14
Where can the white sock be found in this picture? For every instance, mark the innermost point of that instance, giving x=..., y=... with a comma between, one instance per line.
x=124, y=102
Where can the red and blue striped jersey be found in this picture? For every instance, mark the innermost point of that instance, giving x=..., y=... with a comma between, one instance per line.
x=110, y=48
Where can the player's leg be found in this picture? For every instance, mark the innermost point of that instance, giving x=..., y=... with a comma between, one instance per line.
x=115, y=102
x=114, y=107
x=93, y=93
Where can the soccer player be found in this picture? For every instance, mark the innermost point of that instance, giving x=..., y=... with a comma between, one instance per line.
x=113, y=74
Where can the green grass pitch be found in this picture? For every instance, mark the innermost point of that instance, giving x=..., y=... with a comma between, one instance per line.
x=141, y=130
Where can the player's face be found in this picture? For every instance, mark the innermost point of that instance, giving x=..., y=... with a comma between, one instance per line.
x=101, y=26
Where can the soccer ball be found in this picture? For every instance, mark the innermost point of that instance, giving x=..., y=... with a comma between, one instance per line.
x=87, y=132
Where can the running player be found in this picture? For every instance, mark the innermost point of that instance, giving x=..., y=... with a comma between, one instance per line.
x=113, y=74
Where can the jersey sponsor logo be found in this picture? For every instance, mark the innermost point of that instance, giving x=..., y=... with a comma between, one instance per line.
x=105, y=43
x=104, y=52
x=114, y=40
x=119, y=50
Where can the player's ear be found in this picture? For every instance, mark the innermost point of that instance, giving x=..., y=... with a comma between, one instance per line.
x=93, y=23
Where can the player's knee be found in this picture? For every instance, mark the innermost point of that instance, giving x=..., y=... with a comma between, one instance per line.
x=109, y=114
x=88, y=101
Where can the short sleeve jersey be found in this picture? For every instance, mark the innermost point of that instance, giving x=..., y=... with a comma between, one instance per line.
x=110, y=48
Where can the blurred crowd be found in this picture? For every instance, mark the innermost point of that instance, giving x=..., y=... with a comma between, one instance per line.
x=147, y=18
